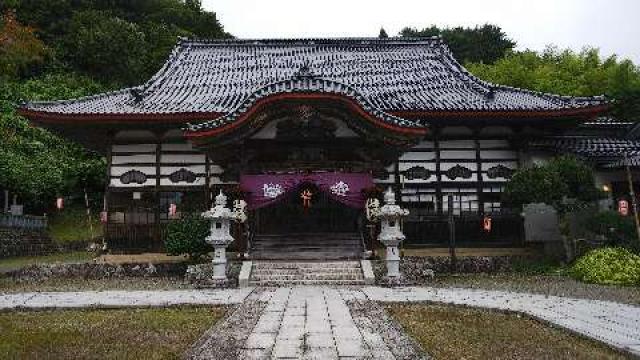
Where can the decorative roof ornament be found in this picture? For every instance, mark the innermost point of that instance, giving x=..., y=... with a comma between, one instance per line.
x=304, y=71
x=137, y=94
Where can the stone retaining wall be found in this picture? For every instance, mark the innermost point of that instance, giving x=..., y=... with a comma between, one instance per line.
x=24, y=242
x=420, y=270
x=41, y=272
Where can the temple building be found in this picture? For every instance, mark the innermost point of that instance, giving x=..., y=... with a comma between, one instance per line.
x=305, y=130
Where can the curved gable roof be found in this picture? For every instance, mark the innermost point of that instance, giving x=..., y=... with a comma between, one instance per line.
x=216, y=80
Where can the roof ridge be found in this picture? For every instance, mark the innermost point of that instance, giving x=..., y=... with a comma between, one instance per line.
x=185, y=41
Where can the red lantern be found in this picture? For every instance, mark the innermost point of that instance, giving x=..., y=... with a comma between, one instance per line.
x=59, y=203
x=486, y=224
x=623, y=207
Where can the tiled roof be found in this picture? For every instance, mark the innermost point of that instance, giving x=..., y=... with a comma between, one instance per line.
x=596, y=149
x=607, y=122
x=225, y=77
x=633, y=161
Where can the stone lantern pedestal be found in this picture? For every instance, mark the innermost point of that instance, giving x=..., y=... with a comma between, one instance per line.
x=390, y=235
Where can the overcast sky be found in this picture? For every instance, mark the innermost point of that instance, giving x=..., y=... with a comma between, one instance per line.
x=611, y=25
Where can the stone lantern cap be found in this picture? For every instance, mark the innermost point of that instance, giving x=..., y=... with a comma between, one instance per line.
x=390, y=210
x=219, y=211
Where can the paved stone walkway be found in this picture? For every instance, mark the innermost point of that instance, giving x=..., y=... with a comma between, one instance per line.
x=326, y=323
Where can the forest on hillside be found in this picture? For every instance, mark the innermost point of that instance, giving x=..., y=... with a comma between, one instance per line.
x=60, y=49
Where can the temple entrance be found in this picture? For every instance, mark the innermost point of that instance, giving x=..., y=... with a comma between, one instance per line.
x=307, y=210
x=310, y=216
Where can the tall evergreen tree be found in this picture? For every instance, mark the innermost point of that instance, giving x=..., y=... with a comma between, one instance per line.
x=383, y=34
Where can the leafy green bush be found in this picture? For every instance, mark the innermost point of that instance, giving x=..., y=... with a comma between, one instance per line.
x=554, y=183
x=618, y=230
x=186, y=236
x=608, y=266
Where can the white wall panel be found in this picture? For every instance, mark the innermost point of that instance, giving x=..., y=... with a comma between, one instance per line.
x=177, y=147
x=182, y=158
x=150, y=148
x=425, y=155
x=141, y=158
x=457, y=154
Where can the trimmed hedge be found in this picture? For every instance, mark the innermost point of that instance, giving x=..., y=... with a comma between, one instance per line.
x=608, y=266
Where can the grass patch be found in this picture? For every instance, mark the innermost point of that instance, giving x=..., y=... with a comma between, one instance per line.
x=448, y=332
x=97, y=334
x=72, y=224
x=68, y=257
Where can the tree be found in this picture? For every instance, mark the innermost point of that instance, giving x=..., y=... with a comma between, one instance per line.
x=383, y=34
x=561, y=178
x=483, y=44
x=566, y=72
x=36, y=164
x=20, y=49
x=109, y=48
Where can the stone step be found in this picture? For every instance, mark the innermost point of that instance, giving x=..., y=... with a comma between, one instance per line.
x=298, y=277
x=277, y=273
x=311, y=256
x=307, y=282
x=306, y=264
x=298, y=271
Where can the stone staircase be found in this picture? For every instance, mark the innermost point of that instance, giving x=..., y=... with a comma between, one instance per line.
x=286, y=273
x=307, y=246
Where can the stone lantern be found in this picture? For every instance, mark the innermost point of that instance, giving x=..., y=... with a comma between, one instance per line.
x=220, y=233
x=391, y=236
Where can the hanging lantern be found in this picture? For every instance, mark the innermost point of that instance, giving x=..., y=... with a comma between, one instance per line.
x=486, y=224
x=59, y=203
x=306, y=198
x=173, y=209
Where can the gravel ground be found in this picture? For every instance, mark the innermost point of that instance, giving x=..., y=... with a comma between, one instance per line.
x=372, y=319
x=555, y=285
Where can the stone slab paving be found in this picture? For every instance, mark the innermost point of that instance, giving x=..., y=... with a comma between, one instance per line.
x=317, y=323
x=121, y=298
x=612, y=323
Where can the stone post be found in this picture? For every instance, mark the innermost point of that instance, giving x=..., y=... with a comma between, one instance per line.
x=391, y=236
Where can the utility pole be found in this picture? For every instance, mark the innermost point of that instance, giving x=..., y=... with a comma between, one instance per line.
x=632, y=193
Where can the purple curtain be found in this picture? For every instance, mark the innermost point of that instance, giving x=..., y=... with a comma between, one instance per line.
x=346, y=188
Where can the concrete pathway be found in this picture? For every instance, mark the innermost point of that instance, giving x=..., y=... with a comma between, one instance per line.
x=120, y=298
x=325, y=322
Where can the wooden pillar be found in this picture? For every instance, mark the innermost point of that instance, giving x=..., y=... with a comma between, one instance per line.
x=480, y=182
x=436, y=149
x=157, y=236
x=6, y=201
x=107, y=190
x=207, y=182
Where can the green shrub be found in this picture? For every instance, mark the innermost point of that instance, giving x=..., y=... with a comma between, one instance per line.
x=618, y=230
x=186, y=236
x=608, y=266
